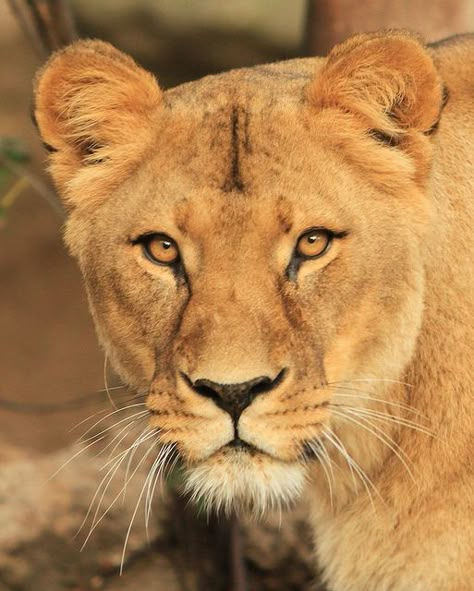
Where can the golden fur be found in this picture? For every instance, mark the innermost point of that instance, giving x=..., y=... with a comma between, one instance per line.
x=374, y=142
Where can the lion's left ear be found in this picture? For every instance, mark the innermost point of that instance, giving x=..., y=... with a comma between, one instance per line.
x=95, y=109
x=388, y=79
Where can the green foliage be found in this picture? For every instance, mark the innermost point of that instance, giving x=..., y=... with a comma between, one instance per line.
x=12, y=152
x=175, y=478
x=5, y=177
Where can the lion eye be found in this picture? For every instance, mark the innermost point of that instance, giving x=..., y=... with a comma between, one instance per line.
x=160, y=248
x=314, y=243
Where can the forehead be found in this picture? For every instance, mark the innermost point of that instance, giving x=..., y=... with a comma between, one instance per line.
x=223, y=132
x=240, y=146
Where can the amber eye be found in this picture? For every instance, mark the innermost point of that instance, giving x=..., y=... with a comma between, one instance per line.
x=313, y=243
x=160, y=248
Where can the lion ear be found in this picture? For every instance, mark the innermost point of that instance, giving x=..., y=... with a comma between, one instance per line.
x=94, y=107
x=389, y=79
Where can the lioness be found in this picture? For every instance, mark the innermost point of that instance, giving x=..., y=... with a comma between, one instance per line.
x=281, y=258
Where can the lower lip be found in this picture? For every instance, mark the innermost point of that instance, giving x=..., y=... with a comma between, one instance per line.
x=241, y=445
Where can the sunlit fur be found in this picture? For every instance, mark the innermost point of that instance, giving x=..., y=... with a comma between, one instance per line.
x=375, y=410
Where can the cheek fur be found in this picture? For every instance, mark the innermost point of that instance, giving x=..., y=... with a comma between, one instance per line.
x=135, y=313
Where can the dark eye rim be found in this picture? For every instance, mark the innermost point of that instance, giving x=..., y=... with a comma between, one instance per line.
x=297, y=260
x=144, y=239
x=331, y=234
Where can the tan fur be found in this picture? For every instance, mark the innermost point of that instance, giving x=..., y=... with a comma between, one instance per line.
x=235, y=168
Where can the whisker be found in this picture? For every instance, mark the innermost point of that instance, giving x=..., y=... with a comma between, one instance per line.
x=406, y=407
x=120, y=458
x=147, y=434
x=328, y=459
x=104, y=434
x=78, y=453
x=122, y=409
x=135, y=511
x=356, y=469
x=339, y=446
x=154, y=480
x=110, y=388
x=107, y=385
x=156, y=474
x=132, y=423
x=149, y=480
x=381, y=436
x=115, y=465
x=322, y=463
x=142, y=413
x=128, y=391
x=119, y=494
x=144, y=436
x=116, y=446
x=126, y=398
x=366, y=481
x=111, y=472
x=98, y=412
x=401, y=421
x=387, y=380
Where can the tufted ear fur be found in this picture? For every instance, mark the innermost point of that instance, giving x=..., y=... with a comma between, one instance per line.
x=388, y=79
x=96, y=111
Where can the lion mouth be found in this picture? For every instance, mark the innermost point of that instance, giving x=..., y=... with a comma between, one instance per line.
x=241, y=445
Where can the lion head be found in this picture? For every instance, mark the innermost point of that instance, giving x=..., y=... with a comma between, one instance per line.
x=248, y=241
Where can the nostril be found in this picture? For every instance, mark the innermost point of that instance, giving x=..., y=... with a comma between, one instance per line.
x=205, y=388
x=266, y=384
x=205, y=391
x=202, y=387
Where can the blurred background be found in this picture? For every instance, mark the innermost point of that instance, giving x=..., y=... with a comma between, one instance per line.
x=51, y=369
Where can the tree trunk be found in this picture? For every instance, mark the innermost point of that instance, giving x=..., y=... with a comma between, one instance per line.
x=331, y=21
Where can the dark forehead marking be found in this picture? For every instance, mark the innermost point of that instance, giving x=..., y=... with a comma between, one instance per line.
x=285, y=215
x=234, y=181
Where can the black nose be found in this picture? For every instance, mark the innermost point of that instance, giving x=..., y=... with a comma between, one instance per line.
x=234, y=398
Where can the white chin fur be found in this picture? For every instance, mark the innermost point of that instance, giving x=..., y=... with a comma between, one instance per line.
x=240, y=482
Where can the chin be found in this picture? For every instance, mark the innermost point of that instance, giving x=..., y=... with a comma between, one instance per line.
x=242, y=481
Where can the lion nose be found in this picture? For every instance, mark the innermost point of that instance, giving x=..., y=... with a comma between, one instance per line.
x=235, y=398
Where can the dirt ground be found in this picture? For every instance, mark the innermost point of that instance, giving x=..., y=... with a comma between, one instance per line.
x=42, y=532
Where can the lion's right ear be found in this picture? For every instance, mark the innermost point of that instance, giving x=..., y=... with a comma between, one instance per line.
x=388, y=79
x=95, y=109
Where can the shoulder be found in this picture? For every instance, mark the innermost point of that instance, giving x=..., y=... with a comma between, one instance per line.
x=454, y=57
x=457, y=42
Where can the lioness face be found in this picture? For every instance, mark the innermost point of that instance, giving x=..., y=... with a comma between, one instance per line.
x=260, y=253
x=236, y=336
